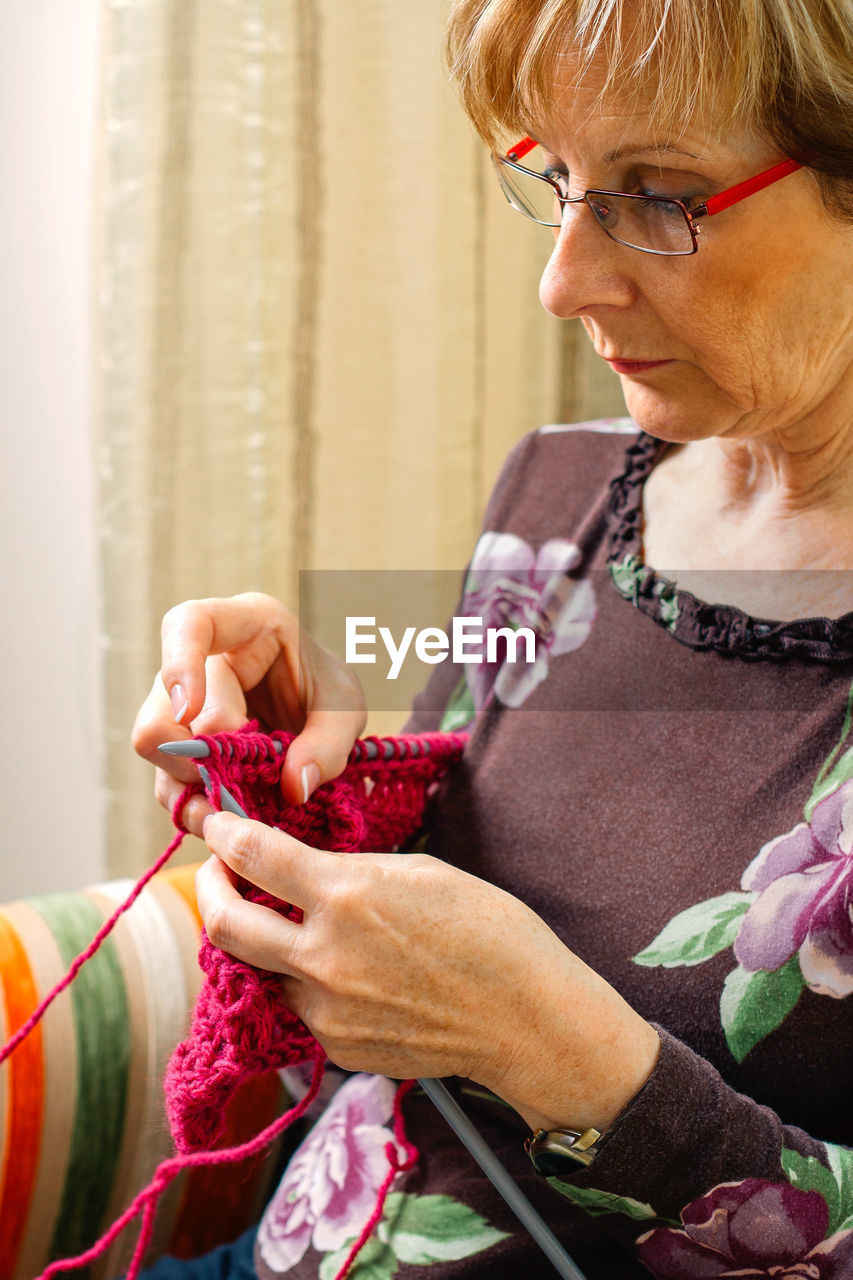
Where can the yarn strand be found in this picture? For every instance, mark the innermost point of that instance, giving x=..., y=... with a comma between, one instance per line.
x=147, y=1199
x=396, y=1166
x=241, y=1024
x=86, y=954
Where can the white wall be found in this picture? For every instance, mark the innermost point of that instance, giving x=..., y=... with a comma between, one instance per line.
x=49, y=740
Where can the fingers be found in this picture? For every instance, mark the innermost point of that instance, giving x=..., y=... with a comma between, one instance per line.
x=332, y=714
x=270, y=859
x=167, y=790
x=319, y=752
x=154, y=724
x=224, y=710
x=224, y=659
x=252, y=627
x=333, y=717
x=253, y=933
x=198, y=688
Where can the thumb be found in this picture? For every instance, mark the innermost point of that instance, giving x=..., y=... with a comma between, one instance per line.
x=320, y=752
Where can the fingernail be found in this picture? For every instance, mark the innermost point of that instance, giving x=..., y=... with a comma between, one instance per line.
x=180, y=702
x=206, y=821
x=310, y=779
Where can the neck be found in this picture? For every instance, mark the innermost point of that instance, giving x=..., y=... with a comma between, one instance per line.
x=775, y=501
x=781, y=474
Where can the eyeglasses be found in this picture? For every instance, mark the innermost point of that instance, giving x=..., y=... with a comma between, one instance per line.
x=652, y=224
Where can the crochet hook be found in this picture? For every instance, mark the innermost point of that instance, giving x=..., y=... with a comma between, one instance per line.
x=439, y=1094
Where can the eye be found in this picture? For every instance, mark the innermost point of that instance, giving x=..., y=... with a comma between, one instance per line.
x=663, y=206
x=655, y=197
x=689, y=201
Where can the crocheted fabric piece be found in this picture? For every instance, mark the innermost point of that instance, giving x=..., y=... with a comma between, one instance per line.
x=241, y=1024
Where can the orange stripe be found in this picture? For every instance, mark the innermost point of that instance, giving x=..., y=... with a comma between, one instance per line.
x=25, y=1098
x=183, y=880
x=59, y=1052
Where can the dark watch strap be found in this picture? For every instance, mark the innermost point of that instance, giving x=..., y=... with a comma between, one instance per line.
x=560, y=1151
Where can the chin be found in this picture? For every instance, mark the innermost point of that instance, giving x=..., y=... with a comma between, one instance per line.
x=669, y=417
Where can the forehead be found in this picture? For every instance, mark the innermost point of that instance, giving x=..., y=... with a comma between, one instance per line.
x=586, y=114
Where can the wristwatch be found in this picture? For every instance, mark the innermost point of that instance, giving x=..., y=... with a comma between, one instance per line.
x=559, y=1151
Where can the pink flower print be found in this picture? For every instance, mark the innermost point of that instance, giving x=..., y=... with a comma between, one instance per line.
x=509, y=584
x=329, y=1189
x=804, y=882
x=750, y=1229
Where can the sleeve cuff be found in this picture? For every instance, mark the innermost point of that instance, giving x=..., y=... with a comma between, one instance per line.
x=684, y=1132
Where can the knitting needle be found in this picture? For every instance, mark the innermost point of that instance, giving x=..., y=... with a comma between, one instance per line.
x=501, y=1179
x=192, y=749
x=443, y=1100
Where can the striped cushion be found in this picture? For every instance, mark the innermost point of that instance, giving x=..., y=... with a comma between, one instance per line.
x=81, y=1102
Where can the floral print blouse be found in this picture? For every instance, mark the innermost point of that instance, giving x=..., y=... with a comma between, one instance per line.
x=669, y=784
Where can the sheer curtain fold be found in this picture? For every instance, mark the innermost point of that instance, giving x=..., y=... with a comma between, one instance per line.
x=319, y=326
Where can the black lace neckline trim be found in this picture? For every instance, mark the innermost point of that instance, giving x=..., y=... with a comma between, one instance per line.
x=690, y=620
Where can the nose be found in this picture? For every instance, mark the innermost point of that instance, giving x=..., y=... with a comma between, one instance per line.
x=586, y=269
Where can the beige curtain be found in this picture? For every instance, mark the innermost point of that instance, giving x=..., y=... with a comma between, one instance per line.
x=319, y=327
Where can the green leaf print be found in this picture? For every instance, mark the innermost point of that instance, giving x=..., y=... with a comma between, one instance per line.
x=840, y=773
x=834, y=772
x=754, y=1004
x=667, y=594
x=422, y=1230
x=669, y=611
x=835, y=1184
x=698, y=933
x=808, y=1174
x=601, y=1202
x=459, y=710
x=628, y=577
x=841, y=1164
x=375, y=1262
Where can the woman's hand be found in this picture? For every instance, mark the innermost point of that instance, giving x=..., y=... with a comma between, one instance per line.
x=406, y=966
x=226, y=660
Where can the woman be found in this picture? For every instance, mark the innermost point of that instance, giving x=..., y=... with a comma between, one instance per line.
x=642, y=878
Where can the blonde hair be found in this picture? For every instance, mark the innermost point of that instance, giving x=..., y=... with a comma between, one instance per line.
x=782, y=69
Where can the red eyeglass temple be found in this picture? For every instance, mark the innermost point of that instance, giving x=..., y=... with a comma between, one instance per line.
x=714, y=204
x=521, y=148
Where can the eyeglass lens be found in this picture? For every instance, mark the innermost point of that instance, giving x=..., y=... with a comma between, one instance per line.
x=652, y=225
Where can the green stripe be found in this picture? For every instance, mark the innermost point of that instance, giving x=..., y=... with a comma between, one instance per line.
x=102, y=1034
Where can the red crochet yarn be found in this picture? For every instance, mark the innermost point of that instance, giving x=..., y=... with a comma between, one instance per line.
x=241, y=1024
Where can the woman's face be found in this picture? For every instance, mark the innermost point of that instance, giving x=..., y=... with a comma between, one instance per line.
x=756, y=327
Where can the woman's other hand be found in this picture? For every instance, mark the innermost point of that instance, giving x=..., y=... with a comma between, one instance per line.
x=226, y=660
x=406, y=966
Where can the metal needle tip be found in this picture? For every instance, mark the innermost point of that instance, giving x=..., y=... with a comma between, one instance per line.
x=227, y=803
x=189, y=748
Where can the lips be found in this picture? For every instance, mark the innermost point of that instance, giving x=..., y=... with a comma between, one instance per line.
x=634, y=366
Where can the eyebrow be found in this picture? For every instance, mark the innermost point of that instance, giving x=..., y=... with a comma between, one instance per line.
x=658, y=148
